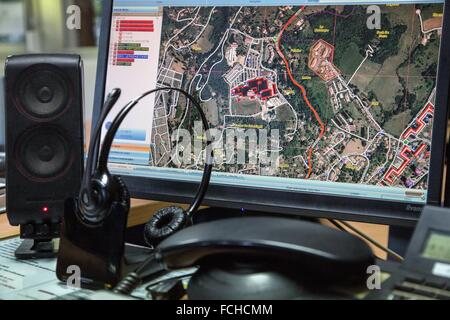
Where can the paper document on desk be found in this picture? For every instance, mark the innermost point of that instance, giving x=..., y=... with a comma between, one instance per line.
x=27, y=279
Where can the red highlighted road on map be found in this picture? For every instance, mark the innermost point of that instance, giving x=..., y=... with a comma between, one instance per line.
x=302, y=89
x=406, y=161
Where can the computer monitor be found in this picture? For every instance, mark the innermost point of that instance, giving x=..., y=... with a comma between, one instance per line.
x=321, y=108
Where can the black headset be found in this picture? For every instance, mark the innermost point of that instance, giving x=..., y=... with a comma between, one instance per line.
x=100, y=189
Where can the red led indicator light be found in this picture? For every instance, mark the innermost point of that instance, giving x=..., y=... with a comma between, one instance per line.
x=45, y=209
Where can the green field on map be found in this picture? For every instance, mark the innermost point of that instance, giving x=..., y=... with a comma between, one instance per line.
x=353, y=102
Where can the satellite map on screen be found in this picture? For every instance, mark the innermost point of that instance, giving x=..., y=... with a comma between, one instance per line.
x=350, y=89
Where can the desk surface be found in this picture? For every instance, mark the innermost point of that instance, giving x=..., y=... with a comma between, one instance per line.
x=6, y=230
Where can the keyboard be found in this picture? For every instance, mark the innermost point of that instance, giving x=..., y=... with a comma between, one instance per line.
x=417, y=288
x=404, y=285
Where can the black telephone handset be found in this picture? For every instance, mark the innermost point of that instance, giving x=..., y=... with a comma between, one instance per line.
x=312, y=246
x=311, y=251
x=259, y=258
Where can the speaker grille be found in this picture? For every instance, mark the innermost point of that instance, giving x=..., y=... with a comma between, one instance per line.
x=44, y=154
x=43, y=92
x=44, y=138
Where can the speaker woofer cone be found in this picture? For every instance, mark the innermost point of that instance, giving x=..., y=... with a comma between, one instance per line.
x=43, y=92
x=44, y=154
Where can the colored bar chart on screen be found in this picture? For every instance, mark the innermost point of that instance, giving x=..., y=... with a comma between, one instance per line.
x=130, y=43
x=126, y=54
x=135, y=26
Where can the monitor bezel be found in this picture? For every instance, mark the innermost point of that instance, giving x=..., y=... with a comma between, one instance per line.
x=298, y=203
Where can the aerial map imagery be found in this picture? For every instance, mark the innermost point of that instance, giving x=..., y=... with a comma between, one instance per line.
x=352, y=98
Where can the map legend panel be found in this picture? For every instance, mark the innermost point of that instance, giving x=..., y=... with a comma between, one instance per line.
x=125, y=54
x=133, y=58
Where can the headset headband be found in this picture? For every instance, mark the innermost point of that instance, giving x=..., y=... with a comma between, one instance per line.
x=101, y=165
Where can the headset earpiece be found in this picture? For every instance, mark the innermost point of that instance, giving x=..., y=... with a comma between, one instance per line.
x=105, y=189
x=99, y=188
x=165, y=223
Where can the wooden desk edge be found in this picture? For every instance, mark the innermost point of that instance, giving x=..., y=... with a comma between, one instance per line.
x=141, y=212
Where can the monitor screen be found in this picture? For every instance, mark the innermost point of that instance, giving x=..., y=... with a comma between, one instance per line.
x=330, y=102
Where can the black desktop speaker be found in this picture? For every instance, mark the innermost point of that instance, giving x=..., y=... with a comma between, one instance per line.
x=44, y=140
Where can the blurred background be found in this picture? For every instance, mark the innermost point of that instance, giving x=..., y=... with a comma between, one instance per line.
x=47, y=26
